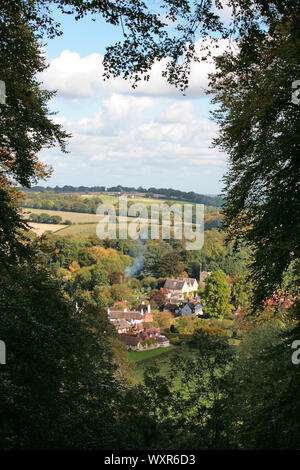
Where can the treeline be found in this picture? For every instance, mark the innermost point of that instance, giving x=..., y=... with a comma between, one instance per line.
x=48, y=219
x=65, y=189
x=70, y=203
x=50, y=200
x=169, y=192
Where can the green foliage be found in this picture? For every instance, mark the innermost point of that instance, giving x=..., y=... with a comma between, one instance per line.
x=262, y=404
x=154, y=251
x=25, y=127
x=59, y=374
x=13, y=241
x=170, y=265
x=59, y=387
x=120, y=291
x=61, y=202
x=242, y=291
x=259, y=131
x=217, y=295
x=46, y=219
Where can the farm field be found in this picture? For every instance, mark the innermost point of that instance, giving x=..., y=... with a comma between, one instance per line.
x=74, y=217
x=106, y=198
x=39, y=229
x=109, y=199
x=147, y=201
x=78, y=230
x=77, y=217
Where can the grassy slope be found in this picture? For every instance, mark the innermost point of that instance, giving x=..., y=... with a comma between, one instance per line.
x=162, y=360
x=88, y=222
x=144, y=355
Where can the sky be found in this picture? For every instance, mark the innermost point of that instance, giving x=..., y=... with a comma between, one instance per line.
x=152, y=136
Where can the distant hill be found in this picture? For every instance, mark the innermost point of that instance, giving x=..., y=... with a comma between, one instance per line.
x=170, y=193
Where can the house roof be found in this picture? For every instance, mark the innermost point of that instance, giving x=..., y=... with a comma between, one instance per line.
x=120, y=323
x=161, y=339
x=130, y=340
x=178, y=284
x=174, y=284
x=198, y=305
x=172, y=307
x=129, y=316
x=195, y=307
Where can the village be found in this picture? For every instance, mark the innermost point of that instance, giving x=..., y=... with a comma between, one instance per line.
x=136, y=328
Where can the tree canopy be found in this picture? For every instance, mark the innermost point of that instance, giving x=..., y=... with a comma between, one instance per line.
x=259, y=130
x=217, y=295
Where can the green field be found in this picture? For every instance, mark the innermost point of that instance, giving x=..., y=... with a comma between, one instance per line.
x=78, y=230
x=144, y=355
x=85, y=224
x=161, y=360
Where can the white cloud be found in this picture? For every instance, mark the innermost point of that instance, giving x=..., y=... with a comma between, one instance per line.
x=151, y=143
x=151, y=134
x=93, y=124
x=119, y=106
x=180, y=111
x=75, y=76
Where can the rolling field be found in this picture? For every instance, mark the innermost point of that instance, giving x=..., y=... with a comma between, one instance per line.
x=85, y=224
x=74, y=217
x=79, y=230
x=39, y=229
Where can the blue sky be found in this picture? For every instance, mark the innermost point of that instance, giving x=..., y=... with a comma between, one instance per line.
x=151, y=136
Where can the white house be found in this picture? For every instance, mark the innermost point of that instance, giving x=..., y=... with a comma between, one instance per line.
x=191, y=309
x=181, y=286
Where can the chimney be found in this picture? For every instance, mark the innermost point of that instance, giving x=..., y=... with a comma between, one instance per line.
x=108, y=311
x=149, y=308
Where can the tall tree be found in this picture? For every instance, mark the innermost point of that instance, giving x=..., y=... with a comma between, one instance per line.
x=25, y=127
x=259, y=130
x=217, y=295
